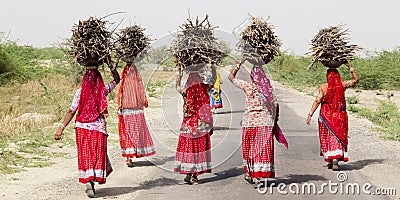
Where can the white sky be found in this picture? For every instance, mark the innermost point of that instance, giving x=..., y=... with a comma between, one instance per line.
x=373, y=24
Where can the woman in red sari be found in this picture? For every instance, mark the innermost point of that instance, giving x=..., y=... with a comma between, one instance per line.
x=134, y=135
x=333, y=120
x=193, y=153
x=90, y=104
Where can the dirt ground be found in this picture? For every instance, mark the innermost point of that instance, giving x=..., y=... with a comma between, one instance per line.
x=370, y=98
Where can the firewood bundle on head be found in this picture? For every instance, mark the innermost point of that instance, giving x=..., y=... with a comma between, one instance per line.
x=90, y=43
x=332, y=45
x=131, y=42
x=195, y=45
x=258, y=41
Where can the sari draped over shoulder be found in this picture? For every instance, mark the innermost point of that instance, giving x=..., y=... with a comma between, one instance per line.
x=134, y=136
x=90, y=129
x=131, y=93
x=333, y=108
x=93, y=97
x=264, y=87
x=197, y=109
x=193, y=153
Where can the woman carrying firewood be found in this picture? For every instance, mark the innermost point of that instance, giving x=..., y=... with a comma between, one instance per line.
x=259, y=123
x=331, y=47
x=134, y=135
x=90, y=106
x=90, y=47
x=259, y=45
x=333, y=120
x=195, y=51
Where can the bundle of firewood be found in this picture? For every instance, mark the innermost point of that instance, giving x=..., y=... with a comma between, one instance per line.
x=90, y=43
x=332, y=45
x=195, y=45
x=259, y=42
x=130, y=42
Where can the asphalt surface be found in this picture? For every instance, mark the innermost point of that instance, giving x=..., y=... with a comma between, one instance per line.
x=297, y=169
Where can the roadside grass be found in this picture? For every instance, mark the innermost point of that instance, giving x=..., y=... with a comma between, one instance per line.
x=155, y=89
x=352, y=100
x=28, y=141
x=386, y=115
x=28, y=114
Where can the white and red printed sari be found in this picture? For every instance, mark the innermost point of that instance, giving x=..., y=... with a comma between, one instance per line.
x=258, y=126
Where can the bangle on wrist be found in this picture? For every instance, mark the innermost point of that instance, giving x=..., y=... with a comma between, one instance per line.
x=310, y=114
x=62, y=126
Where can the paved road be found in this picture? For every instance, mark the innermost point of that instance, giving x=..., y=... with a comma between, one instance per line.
x=298, y=166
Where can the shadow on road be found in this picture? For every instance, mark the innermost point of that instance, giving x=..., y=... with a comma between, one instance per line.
x=229, y=112
x=153, y=162
x=233, y=172
x=222, y=128
x=359, y=164
x=298, y=178
x=117, y=191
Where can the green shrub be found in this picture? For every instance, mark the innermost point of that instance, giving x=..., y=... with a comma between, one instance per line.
x=352, y=99
x=5, y=64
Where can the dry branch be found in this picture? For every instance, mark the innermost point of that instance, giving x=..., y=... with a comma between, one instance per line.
x=131, y=42
x=332, y=44
x=195, y=44
x=259, y=42
x=90, y=43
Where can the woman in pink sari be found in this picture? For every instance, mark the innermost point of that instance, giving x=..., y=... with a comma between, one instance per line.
x=333, y=120
x=259, y=124
x=90, y=106
x=134, y=135
x=193, y=152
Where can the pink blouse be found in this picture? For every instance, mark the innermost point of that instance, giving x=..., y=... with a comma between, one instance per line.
x=256, y=113
x=100, y=123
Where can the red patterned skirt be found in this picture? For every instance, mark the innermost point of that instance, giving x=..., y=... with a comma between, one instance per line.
x=93, y=162
x=134, y=136
x=193, y=154
x=258, y=151
x=331, y=148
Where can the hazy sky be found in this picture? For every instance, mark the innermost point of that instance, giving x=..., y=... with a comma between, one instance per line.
x=373, y=24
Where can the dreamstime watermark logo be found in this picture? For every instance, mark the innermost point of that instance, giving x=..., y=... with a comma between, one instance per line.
x=341, y=186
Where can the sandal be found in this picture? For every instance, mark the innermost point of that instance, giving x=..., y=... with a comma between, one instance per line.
x=329, y=165
x=195, y=180
x=248, y=179
x=187, y=178
x=257, y=182
x=90, y=191
x=129, y=163
x=335, y=165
